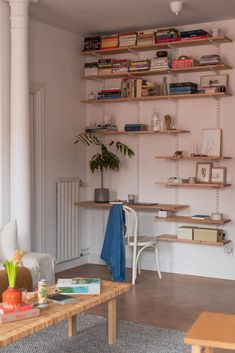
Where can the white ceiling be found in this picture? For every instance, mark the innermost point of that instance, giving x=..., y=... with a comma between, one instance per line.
x=110, y=16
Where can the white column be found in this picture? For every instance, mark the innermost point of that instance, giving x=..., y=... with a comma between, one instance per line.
x=20, y=123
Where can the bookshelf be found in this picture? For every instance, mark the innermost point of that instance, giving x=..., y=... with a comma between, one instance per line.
x=188, y=219
x=191, y=158
x=136, y=133
x=195, y=185
x=169, y=45
x=173, y=238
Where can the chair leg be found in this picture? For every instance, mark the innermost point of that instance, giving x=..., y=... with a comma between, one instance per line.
x=157, y=262
x=134, y=266
x=139, y=266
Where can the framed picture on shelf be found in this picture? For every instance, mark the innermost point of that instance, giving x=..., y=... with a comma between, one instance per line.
x=214, y=81
x=203, y=173
x=218, y=175
x=211, y=142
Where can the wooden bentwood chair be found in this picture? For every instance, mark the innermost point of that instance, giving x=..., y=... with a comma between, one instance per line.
x=139, y=243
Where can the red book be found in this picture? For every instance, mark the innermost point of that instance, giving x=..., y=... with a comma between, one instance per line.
x=22, y=307
x=19, y=315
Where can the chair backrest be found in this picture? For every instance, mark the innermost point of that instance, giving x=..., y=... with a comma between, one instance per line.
x=131, y=224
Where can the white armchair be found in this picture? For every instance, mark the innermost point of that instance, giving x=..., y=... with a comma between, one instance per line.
x=41, y=265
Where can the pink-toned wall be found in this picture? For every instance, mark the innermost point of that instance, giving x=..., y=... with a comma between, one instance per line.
x=139, y=175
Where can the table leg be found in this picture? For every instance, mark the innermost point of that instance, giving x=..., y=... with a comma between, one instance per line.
x=209, y=350
x=112, y=321
x=196, y=349
x=72, y=326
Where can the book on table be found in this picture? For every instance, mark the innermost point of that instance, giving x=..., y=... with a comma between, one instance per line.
x=78, y=285
x=21, y=312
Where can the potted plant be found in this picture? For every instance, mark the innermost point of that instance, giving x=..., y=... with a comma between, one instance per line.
x=12, y=297
x=104, y=160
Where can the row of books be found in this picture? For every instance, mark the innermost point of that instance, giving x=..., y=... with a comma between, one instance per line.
x=141, y=38
x=112, y=66
x=136, y=87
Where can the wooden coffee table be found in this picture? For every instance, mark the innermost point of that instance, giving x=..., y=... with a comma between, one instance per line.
x=212, y=330
x=54, y=313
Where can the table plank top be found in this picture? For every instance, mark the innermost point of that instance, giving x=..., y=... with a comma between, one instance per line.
x=212, y=330
x=54, y=313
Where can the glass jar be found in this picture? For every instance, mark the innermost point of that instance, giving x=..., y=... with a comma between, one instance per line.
x=156, y=121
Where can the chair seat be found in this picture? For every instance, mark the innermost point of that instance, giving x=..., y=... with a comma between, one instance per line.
x=143, y=241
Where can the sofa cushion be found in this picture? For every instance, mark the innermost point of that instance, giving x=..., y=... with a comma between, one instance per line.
x=8, y=241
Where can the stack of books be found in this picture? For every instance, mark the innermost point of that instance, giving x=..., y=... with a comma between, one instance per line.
x=127, y=39
x=194, y=34
x=78, y=286
x=183, y=88
x=92, y=43
x=109, y=42
x=166, y=35
x=150, y=89
x=159, y=63
x=120, y=65
x=136, y=127
x=139, y=65
x=105, y=66
x=146, y=38
x=91, y=69
x=212, y=59
x=112, y=93
x=23, y=311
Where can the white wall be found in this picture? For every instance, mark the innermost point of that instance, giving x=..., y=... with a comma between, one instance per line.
x=4, y=112
x=55, y=62
x=139, y=174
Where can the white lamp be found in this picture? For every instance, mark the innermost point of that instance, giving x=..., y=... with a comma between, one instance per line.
x=176, y=6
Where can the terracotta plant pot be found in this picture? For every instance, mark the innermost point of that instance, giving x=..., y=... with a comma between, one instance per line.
x=12, y=297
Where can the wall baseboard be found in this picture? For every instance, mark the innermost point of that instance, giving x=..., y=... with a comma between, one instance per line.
x=71, y=264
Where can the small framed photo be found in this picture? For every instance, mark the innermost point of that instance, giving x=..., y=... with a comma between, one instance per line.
x=218, y=175
x=214, y=81
x=203, y=173
x=211, y=142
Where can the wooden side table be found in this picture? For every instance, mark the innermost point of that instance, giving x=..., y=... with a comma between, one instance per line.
x=211, y=330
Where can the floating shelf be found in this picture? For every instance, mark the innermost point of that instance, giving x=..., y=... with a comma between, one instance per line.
x=208, y=158
x=173, y=238
x=195, y=185
x=213, y=68
x=142, y=206
x=188, y=219
x=169, y=45
x=133, y=133
x=152, y=98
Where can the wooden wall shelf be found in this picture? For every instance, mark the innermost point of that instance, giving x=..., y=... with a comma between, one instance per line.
x=189, y=158
x=196, y=185
x=213, y=68
x=152, y=98
x=170, y=45
x=153, y=207
x=173, y=238
x=188, y=219
x=134, y=133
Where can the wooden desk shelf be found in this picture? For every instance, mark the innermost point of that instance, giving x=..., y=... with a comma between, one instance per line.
x=188, y=219
x=173, y=238
x=142, y=207
x=134, y=133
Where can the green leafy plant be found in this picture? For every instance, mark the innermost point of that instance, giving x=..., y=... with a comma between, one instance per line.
x=12, y=269
x=105, y=159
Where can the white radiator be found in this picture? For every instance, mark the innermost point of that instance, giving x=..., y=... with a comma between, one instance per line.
x=67, y=239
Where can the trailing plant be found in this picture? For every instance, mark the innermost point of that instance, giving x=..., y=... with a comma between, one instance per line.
x=105, y=159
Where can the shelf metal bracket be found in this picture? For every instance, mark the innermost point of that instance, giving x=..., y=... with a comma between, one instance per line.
x=133, y=51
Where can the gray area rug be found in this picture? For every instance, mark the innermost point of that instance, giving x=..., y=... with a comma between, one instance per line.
x=92, y=338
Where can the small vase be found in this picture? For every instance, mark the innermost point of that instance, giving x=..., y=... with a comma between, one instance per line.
x=12, y=297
